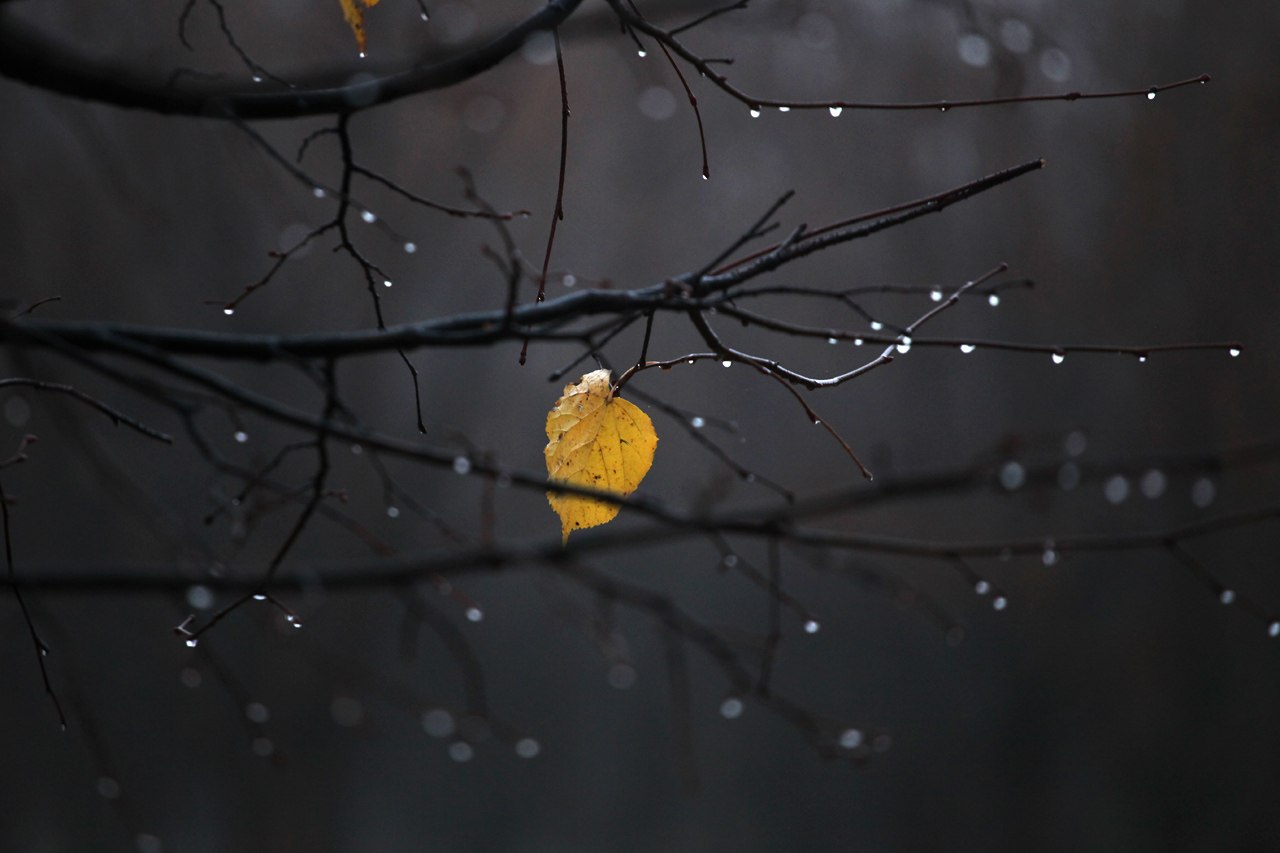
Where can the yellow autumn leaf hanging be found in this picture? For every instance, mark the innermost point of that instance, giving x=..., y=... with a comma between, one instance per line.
x=598, y=441
x=354, y=16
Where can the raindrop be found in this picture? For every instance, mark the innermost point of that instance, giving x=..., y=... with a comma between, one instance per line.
x=263, y=747
x=1068, y=476
x=241, y=436
x=1055, y=64
x=690, y=361
x=999, y=602
x=257, y=712
x=982, y=587
x=1227, y=596
x=731, y=708
x=356, y=450
x=200, y=597
x=729, y=561
x=832, y=341
x=1059, y=357
x=857, y=342
x=935, y=295
x=461, y=751
x=474, y=614
x=1050, y=555
x=1015, y=35
x=368, y=216
x=726, y=363
x=228, y=311
x=108, y=787
x=393, y=512
x=697, y=422
x=811, y=627
x=1012, y=475
x=1273, y=630
x=190, y=677
x=386, y=282
x=410, y=248
x=967, y=348
x=1151, y=96
x=876, y=325
x=993, y=299
x=424, y=16
x=438, y=722
x=642, y=53
x=1153, y=483
x=1142, y=359
x=17, y=411
x=1234, y=352
x=835, y=111
x=527, y=747
x=942, y=109
x=851, y=738
x=1203, y=491
x=362, y=54
x=974, y=50
x=755, y=112
x=904, y=344
x=192, y=643
x=1116, y=489
x=318, y=192
x=657, y=103
x=817, y=421
x=621, y=676
x=462, y=465
x=784, y=109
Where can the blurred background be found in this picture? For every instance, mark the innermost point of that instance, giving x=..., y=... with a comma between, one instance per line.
x=1113, y=704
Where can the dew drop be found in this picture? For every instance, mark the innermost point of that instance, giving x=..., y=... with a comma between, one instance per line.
x=368, y=216
x=851, y=739
x=1234, y=352
x=697, y=422
x=241, y=436
x=527, y=747
x=1227, y=596
x=876, y=325
x=993, y=299
x=228, y=311
x=462, y=465
x=967, y=348
x=1058, y=358
x=410, y=248
x=755, y=112
x=731, y=708
x=835, y=111
x=393, y=512
x=474, y=614
x=982, y=587
x=999, y=602
x=726, y=364
x=935, y=295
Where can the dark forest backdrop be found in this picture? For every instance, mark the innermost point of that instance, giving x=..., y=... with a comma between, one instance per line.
x=1114, y=703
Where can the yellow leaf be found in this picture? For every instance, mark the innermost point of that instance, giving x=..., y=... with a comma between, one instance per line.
x=354, y=16
x=598, y=441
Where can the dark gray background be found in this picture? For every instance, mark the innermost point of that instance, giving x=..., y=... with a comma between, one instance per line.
x=1114, y=705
